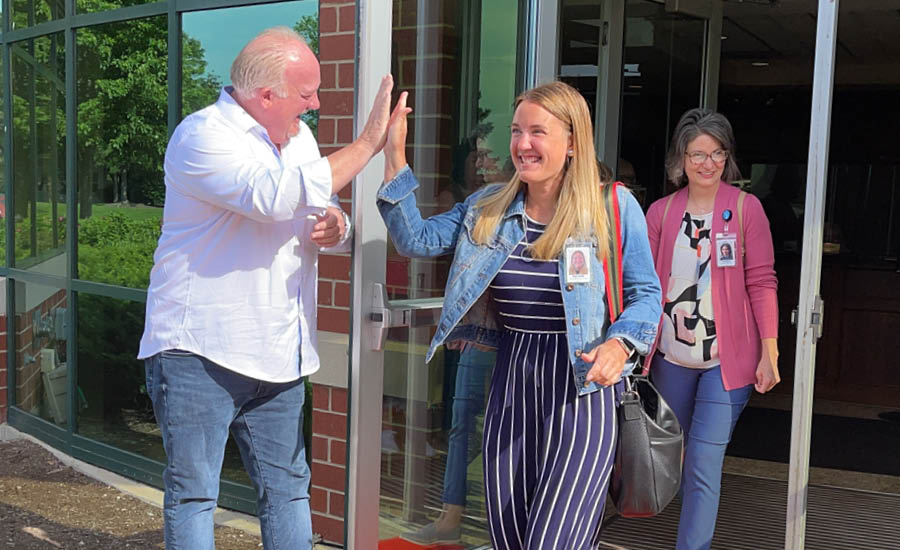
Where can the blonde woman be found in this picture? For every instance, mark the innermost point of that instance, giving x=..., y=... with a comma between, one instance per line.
x=549, y=430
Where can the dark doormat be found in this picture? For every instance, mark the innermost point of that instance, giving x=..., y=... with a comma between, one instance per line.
x=838, y=442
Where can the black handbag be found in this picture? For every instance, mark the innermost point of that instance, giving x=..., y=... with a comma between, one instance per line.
x=647, y=470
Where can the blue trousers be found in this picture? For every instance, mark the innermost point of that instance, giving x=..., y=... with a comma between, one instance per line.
x=468, y=401
x=196, y=403
x=707, y=413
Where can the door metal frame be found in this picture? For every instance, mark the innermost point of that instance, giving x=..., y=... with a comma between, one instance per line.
x=366, y=368
x=809, y=316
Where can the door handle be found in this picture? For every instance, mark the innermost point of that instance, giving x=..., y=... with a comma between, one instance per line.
x=387, y=314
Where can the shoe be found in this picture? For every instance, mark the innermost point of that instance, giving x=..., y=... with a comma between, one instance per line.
x=430, y=534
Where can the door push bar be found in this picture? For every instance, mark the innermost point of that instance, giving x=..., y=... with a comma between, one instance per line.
x=387, y=314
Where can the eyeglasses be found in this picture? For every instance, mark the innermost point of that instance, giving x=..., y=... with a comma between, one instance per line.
x=699, y=157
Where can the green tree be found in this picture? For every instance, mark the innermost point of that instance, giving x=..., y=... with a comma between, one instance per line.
x=308, y=27
x=123, y=105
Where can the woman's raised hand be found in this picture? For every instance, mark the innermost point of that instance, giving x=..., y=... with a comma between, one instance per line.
x=395, y=147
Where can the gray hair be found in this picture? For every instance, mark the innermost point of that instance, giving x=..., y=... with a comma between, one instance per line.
x=693, y=124
x=263, y=61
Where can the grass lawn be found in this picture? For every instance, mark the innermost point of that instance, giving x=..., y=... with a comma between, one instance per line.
x=133, y=211
x=136, y=212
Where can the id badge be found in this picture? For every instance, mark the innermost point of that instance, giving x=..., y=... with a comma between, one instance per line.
x=578, y=262
x=726, y=245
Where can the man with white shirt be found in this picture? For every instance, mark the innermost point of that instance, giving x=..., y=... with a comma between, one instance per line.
x=231, y=309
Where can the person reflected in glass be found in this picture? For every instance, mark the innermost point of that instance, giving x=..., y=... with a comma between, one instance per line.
x=549, y=430
x=465, y=373
x=472, y=372
x=709, y=355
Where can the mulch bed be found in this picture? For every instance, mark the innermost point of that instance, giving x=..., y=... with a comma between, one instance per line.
x=46, y=505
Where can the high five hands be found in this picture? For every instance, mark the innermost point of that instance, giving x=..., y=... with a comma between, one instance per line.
x=395, y=146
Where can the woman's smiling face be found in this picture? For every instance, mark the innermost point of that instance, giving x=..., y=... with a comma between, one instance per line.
x=709, y=172
x=539, y=144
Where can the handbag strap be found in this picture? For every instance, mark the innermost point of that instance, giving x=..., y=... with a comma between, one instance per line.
x=740, y=208
x=666, y=209
x=612, y=267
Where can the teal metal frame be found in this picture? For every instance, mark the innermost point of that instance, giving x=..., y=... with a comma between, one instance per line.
x=232, y=495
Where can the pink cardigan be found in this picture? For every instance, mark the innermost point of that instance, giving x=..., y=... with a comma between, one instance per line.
x=745, y=305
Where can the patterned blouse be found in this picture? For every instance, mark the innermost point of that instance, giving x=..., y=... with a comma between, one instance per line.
x=688, y=330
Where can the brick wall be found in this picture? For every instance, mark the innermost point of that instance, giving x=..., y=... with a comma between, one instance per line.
x=337, y=52
x=329, y=456
x=29, y=383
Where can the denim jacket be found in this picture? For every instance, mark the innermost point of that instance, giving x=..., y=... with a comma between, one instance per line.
x=469, y=312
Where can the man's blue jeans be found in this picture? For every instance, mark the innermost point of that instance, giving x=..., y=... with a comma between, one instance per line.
x=196, y=403
x=707, y=413
x=473, y=371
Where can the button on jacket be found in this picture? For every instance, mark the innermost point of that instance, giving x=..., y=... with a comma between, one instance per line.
x=234, y=275
x=468, y=312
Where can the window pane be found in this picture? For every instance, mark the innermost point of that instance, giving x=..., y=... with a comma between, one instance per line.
x=39, y=141
x=85, y=6
x=212, y=39
x=41, y=372
x=3, y=130
x=26, y=13
x=113, y=403
x=121, y=142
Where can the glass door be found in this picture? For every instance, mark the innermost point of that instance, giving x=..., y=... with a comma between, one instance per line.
x=662, y=77
x=640, y=64
x=415, y=456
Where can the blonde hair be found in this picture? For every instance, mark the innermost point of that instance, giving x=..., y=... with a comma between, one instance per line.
x=579, y=211
x=263, y=61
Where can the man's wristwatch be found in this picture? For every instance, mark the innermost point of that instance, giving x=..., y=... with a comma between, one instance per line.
x=626, y=345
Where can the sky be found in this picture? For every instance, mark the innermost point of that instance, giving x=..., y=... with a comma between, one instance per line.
x=224, y=32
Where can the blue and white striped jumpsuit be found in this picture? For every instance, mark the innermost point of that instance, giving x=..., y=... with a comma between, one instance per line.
x=548, y=453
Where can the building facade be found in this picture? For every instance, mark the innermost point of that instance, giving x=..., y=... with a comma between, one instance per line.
x=92, y=89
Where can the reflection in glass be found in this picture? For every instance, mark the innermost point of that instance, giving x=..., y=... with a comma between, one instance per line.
x=39, y=139
x=114, y=407
x=662, y=79
x=41, y=372
x=121, y=142
x=579, y=47
x=3, y=130
x=211, y=40
x=431, y=476
x=87, y=6
x=26, y=13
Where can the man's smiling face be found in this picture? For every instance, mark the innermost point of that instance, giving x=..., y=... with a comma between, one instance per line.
x=282, y=114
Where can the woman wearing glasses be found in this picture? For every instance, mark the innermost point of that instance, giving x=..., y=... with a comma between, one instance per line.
x=718, y=335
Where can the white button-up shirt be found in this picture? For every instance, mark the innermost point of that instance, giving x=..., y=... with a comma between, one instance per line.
x=234, y=275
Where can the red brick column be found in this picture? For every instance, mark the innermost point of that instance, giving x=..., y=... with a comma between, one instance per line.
x=329, y=454
x=337, y=48
x=337, y=52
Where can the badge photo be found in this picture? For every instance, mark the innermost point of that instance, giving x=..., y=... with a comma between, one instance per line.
x=725, y=248
x=578, y=264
